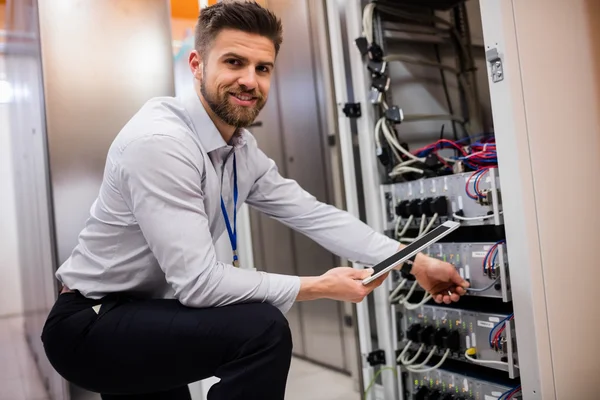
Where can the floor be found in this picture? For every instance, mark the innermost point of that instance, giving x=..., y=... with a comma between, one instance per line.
x=19, y=379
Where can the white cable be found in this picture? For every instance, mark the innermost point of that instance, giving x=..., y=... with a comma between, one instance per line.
x=368, y=21
x=378, y=131
x=415, y=370
x=431, y=353
x=404, y=361
x=402, y=299
x=458, y=217
x=403, y=352
x=430, y=225
x=406, y=226
x=392, y=140
x=410, y=306
x=397, y=290
x=422, y=226
x=484, y=361
x=404, y=170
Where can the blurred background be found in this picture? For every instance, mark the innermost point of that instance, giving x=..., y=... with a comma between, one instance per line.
x=72, y=72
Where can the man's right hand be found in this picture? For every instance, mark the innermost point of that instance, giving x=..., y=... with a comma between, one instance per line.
x=342, y=283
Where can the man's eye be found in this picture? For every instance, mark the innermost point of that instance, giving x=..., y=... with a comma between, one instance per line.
x=233, y=62
x=263, y=69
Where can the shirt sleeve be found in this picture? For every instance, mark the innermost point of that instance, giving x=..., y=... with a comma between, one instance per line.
x=334, y=229
x=161, y=183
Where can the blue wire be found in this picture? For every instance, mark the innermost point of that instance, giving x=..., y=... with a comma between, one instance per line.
x=515, y=390
x=496, y=326
x=496, y=253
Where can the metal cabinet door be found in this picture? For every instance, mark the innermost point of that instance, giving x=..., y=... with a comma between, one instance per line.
x=292, y=134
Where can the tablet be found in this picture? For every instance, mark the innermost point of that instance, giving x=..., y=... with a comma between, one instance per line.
x=413, y=248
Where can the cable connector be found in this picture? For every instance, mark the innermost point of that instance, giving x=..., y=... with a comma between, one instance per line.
x=375, y=52
x=394, y=114
x=376, y=357
x=381, y=83
x=363, y=45
x=375, y=96
x=377, y=67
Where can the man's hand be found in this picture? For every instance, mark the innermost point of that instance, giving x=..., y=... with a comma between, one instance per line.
x=439, y=278
x=342, y=283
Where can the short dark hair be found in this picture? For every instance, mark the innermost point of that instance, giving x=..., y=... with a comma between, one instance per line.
x=246, y=16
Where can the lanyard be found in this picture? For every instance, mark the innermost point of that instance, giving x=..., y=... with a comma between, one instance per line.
x=232, y=233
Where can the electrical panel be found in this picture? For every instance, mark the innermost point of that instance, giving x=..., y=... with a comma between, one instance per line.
x=473, y=198
x=448, y=385
x=483, y=265
x=427, y=176
x=487, y=338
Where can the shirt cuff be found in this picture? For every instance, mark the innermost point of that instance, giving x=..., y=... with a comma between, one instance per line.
x=283, y=291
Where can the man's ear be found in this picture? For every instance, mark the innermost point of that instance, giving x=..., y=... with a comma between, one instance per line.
x=195, y=63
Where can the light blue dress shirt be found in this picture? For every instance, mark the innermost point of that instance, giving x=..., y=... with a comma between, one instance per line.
x=158, y=213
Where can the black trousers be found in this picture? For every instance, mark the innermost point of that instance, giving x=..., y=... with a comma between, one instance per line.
x=151, y=349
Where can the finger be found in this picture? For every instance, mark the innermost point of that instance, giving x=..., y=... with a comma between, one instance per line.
x=438, y=298
x=454, y=297
x=460, y=291
x=359, y=274
x=377, y=282
x=458, y=280
x=447, y=299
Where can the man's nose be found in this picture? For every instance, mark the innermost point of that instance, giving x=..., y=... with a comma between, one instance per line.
x=248, y=79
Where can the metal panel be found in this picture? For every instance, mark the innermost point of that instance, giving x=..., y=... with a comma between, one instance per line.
x=272, y=241
x=95, y=79
x=302, y=135
x=519, y=203
x=473, y=329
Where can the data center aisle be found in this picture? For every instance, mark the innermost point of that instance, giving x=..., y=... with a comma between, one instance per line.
x=19, y=379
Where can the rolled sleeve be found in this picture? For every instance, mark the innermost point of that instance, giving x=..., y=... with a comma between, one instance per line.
x=161, y=184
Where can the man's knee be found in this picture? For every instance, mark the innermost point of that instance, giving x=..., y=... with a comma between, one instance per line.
x=274, y=325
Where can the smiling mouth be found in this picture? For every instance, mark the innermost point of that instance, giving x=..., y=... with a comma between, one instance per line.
x=243, y=97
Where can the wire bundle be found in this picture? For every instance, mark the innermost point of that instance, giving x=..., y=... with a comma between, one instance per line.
x=483, y=154
x=495, y=340
x=510, y=393
x=489, y=263
x=478, y=194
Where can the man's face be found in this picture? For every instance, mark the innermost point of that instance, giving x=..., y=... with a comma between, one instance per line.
x=236, y=76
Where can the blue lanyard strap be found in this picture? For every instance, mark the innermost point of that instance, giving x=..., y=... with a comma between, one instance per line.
x=232, y=232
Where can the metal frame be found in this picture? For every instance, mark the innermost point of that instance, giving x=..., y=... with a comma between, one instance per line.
x=518, y=200
x=348, y=168
x=371, y=184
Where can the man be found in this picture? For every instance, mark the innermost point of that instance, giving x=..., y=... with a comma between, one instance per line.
x=146, y=307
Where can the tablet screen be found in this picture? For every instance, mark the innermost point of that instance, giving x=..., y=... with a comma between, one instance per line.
x=422, y=241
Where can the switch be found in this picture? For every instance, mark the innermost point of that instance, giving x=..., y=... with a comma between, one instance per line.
x=452, y=341
x=413, y=333
x=439, y=205
x=415, y=208
x=438, y=337
x=402, y=209
x=422, y=393
x=426, y=336
x=426, y=207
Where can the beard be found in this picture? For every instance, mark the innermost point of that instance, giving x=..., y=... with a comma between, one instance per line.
x=232, y=114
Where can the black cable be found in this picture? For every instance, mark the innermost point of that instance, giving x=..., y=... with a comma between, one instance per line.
x=446, y=92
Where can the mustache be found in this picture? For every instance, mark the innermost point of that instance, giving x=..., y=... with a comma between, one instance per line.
x=252, y=93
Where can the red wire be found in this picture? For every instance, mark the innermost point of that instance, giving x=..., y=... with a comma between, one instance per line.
x=473, y=196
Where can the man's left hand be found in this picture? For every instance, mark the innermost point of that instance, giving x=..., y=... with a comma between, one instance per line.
x=439, y=278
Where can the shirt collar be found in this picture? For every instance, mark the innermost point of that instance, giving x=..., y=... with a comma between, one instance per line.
x=207, y=132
